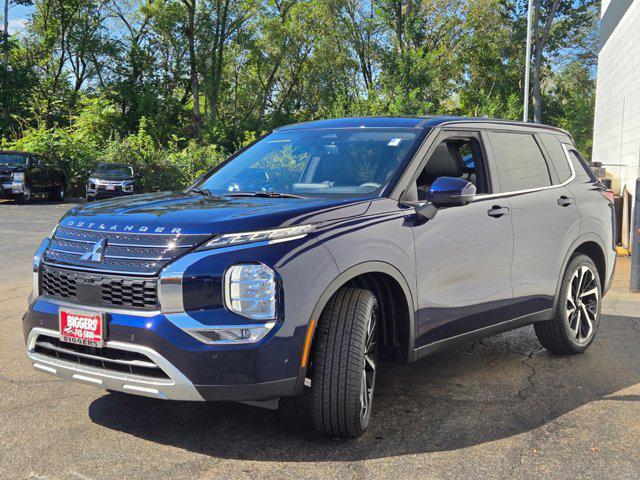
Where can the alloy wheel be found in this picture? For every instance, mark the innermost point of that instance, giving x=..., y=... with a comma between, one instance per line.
x=369, y=366
x=583, y=299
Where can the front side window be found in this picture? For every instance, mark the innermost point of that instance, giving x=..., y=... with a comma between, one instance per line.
x=315, y=162
x=456, y=157
x=519, y=161
x=13, y=159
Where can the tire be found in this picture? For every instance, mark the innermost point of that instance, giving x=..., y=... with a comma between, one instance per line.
x=577, y=314
x=57, y=193
x=25, y=197
x=344, y=363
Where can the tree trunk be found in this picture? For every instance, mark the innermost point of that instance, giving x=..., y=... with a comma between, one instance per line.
x=540, y=41
x=196, y=120
x=5, y=36
x=537, y=92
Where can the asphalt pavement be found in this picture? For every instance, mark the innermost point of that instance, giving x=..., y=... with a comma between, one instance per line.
x=500, y=408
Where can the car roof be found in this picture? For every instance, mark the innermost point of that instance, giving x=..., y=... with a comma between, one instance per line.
x=15, y=152
x=409, y=122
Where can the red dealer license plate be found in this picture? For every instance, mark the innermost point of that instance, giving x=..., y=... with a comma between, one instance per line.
x=84, y=328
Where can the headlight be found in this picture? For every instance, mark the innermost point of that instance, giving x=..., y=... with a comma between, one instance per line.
x=18, y=177
x=250, y=291
x=277, y=234
x=37, y=259
x=127, y=186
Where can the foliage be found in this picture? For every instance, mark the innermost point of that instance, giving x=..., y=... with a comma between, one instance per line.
x=174, y=86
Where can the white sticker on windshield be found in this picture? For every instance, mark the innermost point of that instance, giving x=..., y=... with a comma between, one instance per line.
x=394, y=142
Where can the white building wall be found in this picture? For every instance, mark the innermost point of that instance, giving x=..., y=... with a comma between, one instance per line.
x=617, y=116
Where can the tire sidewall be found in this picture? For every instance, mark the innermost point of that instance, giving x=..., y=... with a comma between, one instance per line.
x=373, y=307
x=561, y=312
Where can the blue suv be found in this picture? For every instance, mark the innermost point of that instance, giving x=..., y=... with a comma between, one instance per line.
x=317, y=252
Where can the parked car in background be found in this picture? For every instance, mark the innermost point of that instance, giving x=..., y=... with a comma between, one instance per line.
x=24, y=176
x=360, y=239
x=110, y=180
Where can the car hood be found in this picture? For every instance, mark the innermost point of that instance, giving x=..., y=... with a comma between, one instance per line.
x=8, y=169
x=190, y=213
x=112, y=178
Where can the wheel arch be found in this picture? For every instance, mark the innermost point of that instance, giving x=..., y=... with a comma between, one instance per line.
x=397, y=302
x=594, y=247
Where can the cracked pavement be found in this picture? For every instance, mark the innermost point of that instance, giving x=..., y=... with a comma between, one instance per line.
x=499, y=408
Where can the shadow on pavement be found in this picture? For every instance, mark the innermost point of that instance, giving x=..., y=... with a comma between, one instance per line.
x=498, y=388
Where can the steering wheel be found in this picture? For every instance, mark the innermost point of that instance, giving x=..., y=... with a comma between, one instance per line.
x=370, y=184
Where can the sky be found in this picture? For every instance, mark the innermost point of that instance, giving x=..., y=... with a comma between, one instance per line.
x=17, y=17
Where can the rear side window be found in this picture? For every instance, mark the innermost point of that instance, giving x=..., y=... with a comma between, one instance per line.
x=519, y=161
x=557, y=155
x=583, y=171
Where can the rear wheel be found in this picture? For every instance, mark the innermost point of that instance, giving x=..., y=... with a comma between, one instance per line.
x=57, y=193
x=578, y=310
x=344, y=363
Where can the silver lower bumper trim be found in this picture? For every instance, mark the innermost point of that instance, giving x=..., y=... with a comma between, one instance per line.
x=176, y=387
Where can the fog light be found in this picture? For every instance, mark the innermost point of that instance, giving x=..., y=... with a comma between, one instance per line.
x=236, y=334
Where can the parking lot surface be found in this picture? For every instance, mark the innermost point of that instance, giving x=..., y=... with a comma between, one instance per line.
x=500, y=408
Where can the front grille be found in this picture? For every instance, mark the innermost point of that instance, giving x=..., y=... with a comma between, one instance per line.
x=58, y=283
x=94, y=289
x=126, y=253
x=106, y=358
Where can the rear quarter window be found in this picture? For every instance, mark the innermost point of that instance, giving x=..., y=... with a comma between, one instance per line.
x=519, y=160
x=557, y=156
x=583, y=171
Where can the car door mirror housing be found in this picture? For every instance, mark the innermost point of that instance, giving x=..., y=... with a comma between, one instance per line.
x=451, y=191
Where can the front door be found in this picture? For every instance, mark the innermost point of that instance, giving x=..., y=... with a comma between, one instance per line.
x=464, y=254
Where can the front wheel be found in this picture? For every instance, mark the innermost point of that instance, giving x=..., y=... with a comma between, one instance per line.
x=344, y=363
x=26, y=196
x=577, y=313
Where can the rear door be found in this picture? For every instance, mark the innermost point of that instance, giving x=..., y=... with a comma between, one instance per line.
x=545, y=217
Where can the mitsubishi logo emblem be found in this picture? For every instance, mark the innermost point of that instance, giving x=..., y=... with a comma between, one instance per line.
x=96, y=254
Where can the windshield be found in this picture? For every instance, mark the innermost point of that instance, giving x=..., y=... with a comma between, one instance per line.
x=114, y=170
x=325, y=162
x=14, y=158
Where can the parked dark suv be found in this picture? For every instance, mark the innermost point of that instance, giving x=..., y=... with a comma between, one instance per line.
x=110, y=180
x=25, y=175
x=366, y=239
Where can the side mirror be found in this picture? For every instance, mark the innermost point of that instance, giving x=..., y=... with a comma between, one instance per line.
x=450, y=191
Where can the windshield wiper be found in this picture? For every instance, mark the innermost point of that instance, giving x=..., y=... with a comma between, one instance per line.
x=262, y=194
x=203, y=191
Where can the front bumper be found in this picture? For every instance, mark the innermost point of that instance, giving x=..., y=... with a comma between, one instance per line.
x=194, y=371
x=11, y=189
x=103, y=194
x=175, y=387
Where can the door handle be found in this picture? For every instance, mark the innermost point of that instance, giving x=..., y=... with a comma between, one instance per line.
x=497, y=211
x=564, y=201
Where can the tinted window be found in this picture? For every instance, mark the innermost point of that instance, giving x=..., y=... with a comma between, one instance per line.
x=13, y=159
x=583, y=172
x=557, y=155
x=520, y=162
x=114, y=169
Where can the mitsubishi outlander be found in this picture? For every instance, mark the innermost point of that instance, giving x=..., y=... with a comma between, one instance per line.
x=317, y=252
